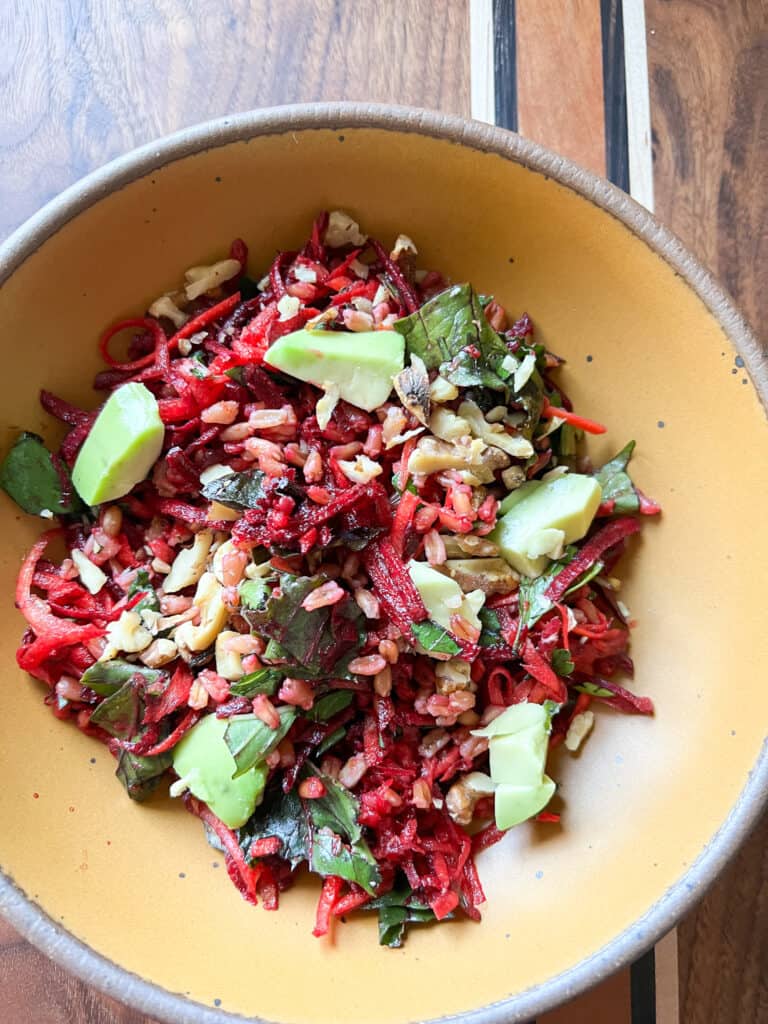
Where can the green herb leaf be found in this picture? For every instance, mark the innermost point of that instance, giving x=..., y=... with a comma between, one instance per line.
x=265, y=680
x=616, y=483
x=254, y=593
x=250, y=740
x=440, y=331
x=434, y=637
x=106, y=677
x=594, y=690
x=329, y=705
x=562, y=663
x=141, y=775
x=355, y=862
x=316, y=643
x=586, y=577
x=331, y=740
x=29, y=476
x=397, y=908
x=337, y=810
x=490, y=635
x=281, y=815
x=120, y=714
x=237, y=490
x=141, y=585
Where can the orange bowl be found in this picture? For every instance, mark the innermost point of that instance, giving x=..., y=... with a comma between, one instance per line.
x=130, y=897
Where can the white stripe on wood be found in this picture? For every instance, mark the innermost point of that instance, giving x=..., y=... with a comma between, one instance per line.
x=482, y=83
x=638, y=103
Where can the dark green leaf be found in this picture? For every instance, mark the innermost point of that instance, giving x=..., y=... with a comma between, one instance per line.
x=397, y=908
x=141, y=585
x=331, y=740
x=434, y=637
x=491, y=628
x=329, y=855
x=316, y=643
x=562, y=662
x=141, y=775
x=616, y=483
x=250, y=740
x=29, y=476
x=329, y=705
x=531, y=399
x=120, y=714
x=337, y=810
x=586, y=577
x=106, y=677
x=440, y=331
x=265, y=680
x=237, y=374
x=282, y=815
x=237, y=490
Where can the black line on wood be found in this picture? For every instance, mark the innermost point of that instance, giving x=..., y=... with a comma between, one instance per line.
x=615, y=94
x=505, y=63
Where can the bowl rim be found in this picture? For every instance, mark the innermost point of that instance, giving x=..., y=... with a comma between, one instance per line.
x=95, y=969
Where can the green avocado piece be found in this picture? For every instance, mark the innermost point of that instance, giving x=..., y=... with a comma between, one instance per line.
x=122, y=446
x=203, y=761
x=436, y=589
x=361, y=364
x=515, y=804
x=517, y=742
x=540, y=517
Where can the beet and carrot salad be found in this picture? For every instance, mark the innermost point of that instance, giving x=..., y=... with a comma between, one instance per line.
x=331, y=562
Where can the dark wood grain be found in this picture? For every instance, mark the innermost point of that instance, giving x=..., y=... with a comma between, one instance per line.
x=708, y=65
x=85, y=81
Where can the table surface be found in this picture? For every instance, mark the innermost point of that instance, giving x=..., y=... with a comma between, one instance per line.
x=84, y=81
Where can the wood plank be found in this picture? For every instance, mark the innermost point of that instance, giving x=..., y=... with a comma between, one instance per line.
x=560, y=78
x=709, y=102
x=709, y=111
x=93, y=80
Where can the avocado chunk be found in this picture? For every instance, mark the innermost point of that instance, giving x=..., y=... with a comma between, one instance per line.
x=122, y=446
x=517, y=746
x=443, y=596
x=361, y=364
x=542, y=516
x=203, y=762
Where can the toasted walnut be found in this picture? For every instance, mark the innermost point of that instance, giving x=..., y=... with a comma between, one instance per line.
x=452, y=675
x=412, y=387
x=461, y=799
x=491, y=575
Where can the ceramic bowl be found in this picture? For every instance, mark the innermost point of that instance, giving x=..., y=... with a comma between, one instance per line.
x=130, y=897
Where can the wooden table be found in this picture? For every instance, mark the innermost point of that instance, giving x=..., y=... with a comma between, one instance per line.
x=86, y=80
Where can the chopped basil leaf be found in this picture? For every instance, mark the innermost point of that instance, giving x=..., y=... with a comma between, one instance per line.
x=250, y=740
x=329, y=855
x=433, y=637
x=329, y=705
x=120, y=714
x=141, y=775
x=315, y=643
x=106, y=677
x=594, y=690
x=491, y=628
x=141, y=585
x=331, y=740
x=616, y=483
x=237, y=490
x=281, y=815
x=562, y=663
x=265, y=680
x=36, y=483
x=396, y=909
x=451, y=334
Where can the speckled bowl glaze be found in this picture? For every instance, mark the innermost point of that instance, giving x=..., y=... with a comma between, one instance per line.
x=130, y=897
